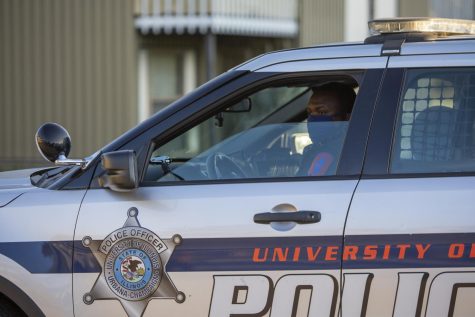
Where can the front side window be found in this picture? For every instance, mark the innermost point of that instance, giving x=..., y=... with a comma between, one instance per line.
x=279, y=131
x=435, y=129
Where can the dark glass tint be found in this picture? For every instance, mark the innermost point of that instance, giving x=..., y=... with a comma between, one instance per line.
x=436, y=122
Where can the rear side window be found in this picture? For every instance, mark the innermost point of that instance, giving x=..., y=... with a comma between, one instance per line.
x=435, y=130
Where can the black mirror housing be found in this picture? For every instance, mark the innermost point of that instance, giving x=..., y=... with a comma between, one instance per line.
x=245, y=105
x=53, y=141
x=121, y=172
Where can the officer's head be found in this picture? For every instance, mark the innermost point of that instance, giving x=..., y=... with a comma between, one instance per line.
x=331, y=102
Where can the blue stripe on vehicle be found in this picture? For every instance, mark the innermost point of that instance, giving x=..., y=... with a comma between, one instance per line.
x=268, y=254
x=236, y=254
x=84, y=260
x=403, y=251
x=41, y=256
x=438, y=251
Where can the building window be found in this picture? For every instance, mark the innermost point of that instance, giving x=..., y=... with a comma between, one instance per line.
x=164, y=76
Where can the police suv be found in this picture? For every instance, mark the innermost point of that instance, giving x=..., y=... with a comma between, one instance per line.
x=249, y=197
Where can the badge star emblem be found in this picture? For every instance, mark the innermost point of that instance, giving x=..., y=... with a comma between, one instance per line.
x=133, y=261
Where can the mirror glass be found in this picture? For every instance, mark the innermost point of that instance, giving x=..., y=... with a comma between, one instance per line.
x=245, y=105
x=53, y=141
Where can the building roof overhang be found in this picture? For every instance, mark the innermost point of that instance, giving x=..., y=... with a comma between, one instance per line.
x=265, y=18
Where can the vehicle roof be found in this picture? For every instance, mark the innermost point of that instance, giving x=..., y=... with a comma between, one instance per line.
x=450, y=45
x=345, y=50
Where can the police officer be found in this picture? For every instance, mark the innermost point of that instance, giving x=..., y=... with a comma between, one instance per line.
x=328, y=103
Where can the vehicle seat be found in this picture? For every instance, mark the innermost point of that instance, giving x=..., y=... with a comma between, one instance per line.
x=433, y=134
x=277, y=162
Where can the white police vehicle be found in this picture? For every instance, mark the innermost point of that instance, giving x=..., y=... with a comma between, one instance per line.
x=206, y=208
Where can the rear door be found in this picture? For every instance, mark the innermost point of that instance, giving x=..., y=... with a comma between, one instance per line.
x=410, y=234
x=191, y=241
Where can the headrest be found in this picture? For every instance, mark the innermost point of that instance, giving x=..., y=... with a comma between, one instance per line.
x=432, y=137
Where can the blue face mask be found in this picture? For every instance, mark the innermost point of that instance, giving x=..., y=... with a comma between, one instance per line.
x=319, y=118
x=317, y=131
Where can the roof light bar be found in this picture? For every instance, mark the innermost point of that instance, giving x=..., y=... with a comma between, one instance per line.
x=439, y=26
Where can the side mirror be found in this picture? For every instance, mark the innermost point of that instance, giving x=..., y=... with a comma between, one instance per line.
x=53, y=141
x=54, y=144
x=120, y=171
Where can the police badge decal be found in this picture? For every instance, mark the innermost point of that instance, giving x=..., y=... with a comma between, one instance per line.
x=133, y=261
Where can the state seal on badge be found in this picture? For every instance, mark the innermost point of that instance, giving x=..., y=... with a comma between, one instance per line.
x=133, y=260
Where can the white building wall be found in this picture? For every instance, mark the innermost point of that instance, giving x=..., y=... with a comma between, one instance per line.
x=358, y=13
x=455, y=9
x=385, y=9
x=356, y=19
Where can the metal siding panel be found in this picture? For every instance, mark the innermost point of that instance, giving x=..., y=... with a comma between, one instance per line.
x=109, y=78
x=116, y=105
x=68, y=71
x=27, y=119
x=410, y=8
x=129, y=65
x=12, y=78
x=56, y=78
x=71, y=15
x=91, y=107
x=321, y=21
x=17, y=60
x=8, y=97
x=121, y=99
x=6, y=83
x=455, y=9
x=125, y=73
x=47, y=62
x=35, y=109
x=70, y=62
x=97, y=89
x=107, y=116
x=3, y=130
x=88, y=112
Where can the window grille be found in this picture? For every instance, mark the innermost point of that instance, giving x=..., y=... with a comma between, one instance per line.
x=436, y=122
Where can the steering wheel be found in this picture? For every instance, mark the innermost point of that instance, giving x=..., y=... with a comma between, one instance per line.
x=221, y=166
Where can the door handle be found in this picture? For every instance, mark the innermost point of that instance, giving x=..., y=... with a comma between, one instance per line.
x=302, y=217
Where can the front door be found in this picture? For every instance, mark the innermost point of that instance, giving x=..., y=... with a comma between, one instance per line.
x=228, y=219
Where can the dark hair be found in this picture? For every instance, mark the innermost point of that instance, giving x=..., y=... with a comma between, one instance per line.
x=345, y=94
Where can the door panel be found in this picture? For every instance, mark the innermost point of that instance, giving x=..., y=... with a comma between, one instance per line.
x=222, y=248
x=410, y=232
x=411, y=223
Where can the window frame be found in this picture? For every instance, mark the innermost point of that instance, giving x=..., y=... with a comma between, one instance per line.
x=383, y=128
x=354, y=145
